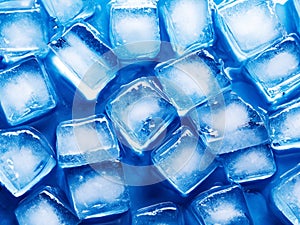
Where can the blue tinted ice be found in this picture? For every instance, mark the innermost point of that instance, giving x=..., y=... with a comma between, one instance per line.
x=17, y=4
x=25, y=158
x=248, y=25
x=44, y=208
x=84, y=59
x=98, y=190
x=191, y=79
x=85, y=141
x=224, y=206
x=277, y=70
x=26, y=92
x=134, y=29
x=250, y=164
x=184, y=160
x=188, y=23
x=140, y=113
x=166, y=213
x=296, y=13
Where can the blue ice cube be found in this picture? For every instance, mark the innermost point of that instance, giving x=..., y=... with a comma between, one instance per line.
x=286, y=195
x=140, y=113
x=191, y=79
x=25, y=158
x=249, y=164
x=295, y=12
x=44, y=207
x=22, y=32
x=85, y=141
x=84, y=59
x=25, y=91
x=161, y=213
x=225, y=205
x=17, y=4
x=229, y=123
x=249, y=26
x=98, y=190
x=188, y=23
x=277, y=70
x=184, y=160
x=134, y=29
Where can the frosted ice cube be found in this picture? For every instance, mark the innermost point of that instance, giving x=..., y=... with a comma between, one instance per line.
x=158, y=214
x=85, y=141
x=195, y=13
x=26, y=92
x=140, y=113
x=184, y=160
x=84, y=59
x=44, y=208
x=224, y=205
x=277, y=70
x=17, y=4
x=191, y=79
x=254, y=163
x=134, y=29
x=229, y=123
x=249, y=26
x=97, y=190
x=25, y=158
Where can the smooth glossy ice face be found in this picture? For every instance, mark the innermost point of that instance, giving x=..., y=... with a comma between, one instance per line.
x=191, y=80
x=26, y=92
x=188, y=23
x=25, y=158
x=140, y=113
x=85, y=141
x=17, y=4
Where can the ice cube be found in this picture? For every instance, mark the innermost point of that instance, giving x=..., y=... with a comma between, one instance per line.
x=159, y=214
x=224, y=205
x=140, y=113
x=84, y=59
x=191, y=79
x=249, y=26
x=26, y=92
x=295, y=12
x=134, y=29
x=250, y=164
x=17, y=4
x=44, y=208
x=184, y=160
x=195, y=13
x=85, y=141
x=229, y=123
x=25, y=158
x=97, y=190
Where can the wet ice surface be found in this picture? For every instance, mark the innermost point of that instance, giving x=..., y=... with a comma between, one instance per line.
x=13, y=4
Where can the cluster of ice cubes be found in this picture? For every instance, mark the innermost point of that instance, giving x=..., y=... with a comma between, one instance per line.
x=199, y=97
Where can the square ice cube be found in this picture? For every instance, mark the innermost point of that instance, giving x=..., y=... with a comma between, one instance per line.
x=98, y=190
x=17, y=4
x=44, y=208
x=228, y=123
x=84, y=59
x=184, y=160
x=134, y=29
x=25, y=158
x=249, y=164
x=286, y=195
x=249, y=26
x=277, y=70
x=224, y=206
x=84, y=141
x=188, y=23
x=191, y=79
x=161, y=213
x=26, y=92
x=140, y=113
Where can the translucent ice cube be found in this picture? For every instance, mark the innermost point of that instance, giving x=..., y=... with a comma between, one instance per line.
x=17, y=4
x=25, y=159
x=84, y=59
x=85, y=141
x=195, y=13
x=191, y=79
x=26, y=92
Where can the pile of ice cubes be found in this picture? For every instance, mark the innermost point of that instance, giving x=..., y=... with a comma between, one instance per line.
x=149, y=112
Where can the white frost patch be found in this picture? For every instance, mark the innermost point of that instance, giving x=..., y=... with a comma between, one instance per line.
x=296, y=192
x=65, y=10
x=290, y=126
x=223, y=213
